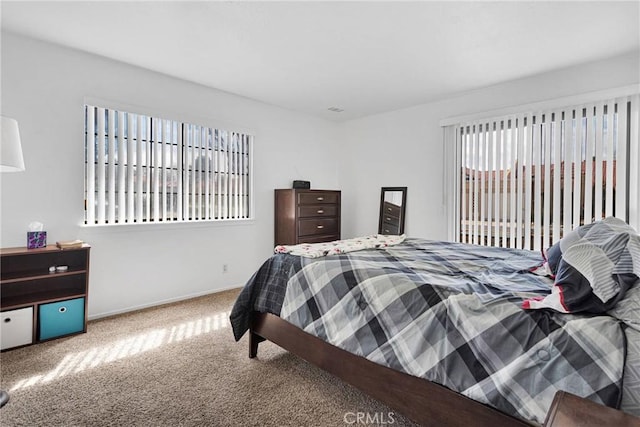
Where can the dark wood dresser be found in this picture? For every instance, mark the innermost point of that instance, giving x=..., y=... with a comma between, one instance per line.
x=306, y=216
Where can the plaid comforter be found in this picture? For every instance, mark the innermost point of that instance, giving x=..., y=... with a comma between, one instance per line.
x=451, y=313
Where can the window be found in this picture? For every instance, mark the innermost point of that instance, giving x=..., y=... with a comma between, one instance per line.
x=142, y=169
x=523, y=180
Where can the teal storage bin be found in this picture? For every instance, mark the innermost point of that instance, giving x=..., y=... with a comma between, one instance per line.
x=60, y=318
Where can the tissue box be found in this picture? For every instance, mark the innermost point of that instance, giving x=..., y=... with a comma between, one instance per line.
x=36, y=239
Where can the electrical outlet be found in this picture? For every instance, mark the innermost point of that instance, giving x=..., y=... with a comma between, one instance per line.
x=225, y=268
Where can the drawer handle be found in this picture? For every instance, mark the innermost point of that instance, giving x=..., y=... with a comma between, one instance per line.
x=320, y=211
x=389, y=209
x=386, y=231
x=62, y=309
x=388, y=219
x=320, y=227
x=320, y=199
x=7, y=320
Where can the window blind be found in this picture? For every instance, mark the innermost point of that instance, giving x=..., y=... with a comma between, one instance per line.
x=143, y=169
x=526, y=179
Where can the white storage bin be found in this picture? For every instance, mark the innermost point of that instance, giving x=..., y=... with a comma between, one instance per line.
x=16, y=327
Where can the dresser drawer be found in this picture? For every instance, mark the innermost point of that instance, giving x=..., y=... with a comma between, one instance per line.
x=317, y=211
x=317, y=197
x=311, y=227
x=391, y=209
x=390, y=228
x=391, y=220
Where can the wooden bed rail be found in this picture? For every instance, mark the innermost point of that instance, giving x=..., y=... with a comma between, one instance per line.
x=422, y=401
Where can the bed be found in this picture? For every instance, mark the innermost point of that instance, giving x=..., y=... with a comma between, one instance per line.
x=437, y=330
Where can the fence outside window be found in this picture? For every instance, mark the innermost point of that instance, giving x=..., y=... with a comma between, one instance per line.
x=143, y=169
x=523, y=180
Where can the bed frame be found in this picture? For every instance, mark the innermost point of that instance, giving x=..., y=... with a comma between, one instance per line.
x=422, y=401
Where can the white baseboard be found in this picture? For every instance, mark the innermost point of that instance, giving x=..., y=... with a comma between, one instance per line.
x=161, y=302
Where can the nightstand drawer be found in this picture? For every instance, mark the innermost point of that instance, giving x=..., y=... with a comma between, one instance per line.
x=310, y=227
x=318, y=197
x=61, y=318
x=317, y=211
x=16, y=328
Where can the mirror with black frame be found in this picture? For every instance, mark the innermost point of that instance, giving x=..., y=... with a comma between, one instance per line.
x=393, y=201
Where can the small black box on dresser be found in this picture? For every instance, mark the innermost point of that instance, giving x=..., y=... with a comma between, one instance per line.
x=303, y=185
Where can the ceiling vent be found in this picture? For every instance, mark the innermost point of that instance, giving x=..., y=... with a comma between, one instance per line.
x=335, y=109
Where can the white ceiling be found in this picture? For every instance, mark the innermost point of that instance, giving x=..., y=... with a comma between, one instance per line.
x=363, y=57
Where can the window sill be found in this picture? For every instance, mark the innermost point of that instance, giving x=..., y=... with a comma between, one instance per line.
x=169, y=225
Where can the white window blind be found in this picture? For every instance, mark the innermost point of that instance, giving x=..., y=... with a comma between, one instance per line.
x=143, y=169
x=523, y=180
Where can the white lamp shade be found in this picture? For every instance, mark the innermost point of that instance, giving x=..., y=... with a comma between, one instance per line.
x=11, y=159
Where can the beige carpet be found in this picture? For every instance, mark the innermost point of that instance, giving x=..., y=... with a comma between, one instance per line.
x=174, y=365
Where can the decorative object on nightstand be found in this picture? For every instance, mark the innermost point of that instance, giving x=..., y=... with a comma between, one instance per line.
x=11, y=160
x=306, y=216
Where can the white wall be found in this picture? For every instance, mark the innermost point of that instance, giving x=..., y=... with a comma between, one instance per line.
x=44, y=86
x=404, y=148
